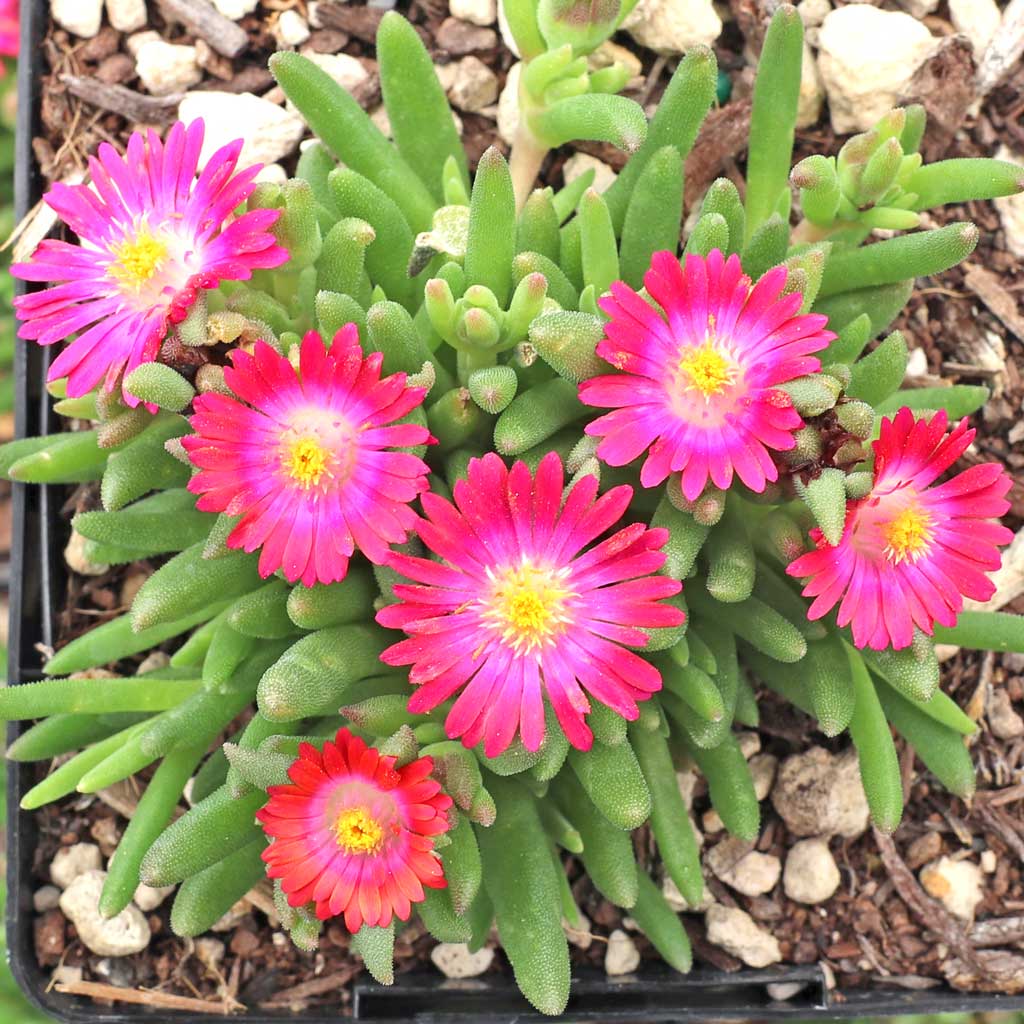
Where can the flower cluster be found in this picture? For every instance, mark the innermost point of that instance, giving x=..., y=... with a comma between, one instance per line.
x=151, y=237
x=353, y=834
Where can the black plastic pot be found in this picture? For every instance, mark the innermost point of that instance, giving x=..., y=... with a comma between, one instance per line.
x=654, y=995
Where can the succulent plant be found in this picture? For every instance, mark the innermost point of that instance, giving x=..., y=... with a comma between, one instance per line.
x=286, y=405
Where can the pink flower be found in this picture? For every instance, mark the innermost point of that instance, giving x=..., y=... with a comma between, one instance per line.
x=9, y=35
x=910, y=552
x=353, y=834
x=518, y=610
x=306, y=463
x=699, y=387
x=151, y=236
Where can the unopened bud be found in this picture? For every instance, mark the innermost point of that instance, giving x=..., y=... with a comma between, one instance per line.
x=493, y=387
x=857, y=418
x=825, y=496
x=709, y=507
x=123, y=427
x=849, y=454
x=210, y=377
x=858, y=485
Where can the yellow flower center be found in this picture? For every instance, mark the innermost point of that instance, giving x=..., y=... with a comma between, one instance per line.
x=707, y=370
x=528, y=605
x=136, y=262
x=307, y=461
x=357, y=831
x=908, y=535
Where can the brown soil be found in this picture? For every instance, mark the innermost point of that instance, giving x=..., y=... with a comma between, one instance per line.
x=879, y=928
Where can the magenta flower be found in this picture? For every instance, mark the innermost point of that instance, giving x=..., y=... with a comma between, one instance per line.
x=9, y=35
x=150, y=237
x=354, y=834
x=518, y=611
x=699, y=387
x=306, y=463
x=910, y=552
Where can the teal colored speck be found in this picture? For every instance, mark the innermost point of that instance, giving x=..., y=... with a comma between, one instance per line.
x=724, y=88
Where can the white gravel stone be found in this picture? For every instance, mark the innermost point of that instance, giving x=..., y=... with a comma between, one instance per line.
x=675, y=899
x=580, y=163
x=80, y=17
x=979, y=20
x=989, y=861
x=344, y=69
x=780, y=991
x=956, y=884
x=816, y=793
x=76, y=558
x=1011, y=209
x=578, y=935
x=673, y=26
x=917, y=364
x=291, y=29
x=867, y=58
x=749, y=743
x=687, y=782
x=138, y=40
x=737, y=933
x=762, y=769
x=127, y=15
x=1002, y=719
x=745, y=870
x=45, y=898
x=235, y=9
x=65, y=974
x=71, y=861
x=919, y=8
x=473, y=84
x=508, y=105
x=122, y=935
x=621, y=956
x=270, y=132
x=210, y=952
x=148, y=897
x=454, y=960
x=274, y=173
x=479, y=12
x=811, y=874
x=813, y=12
x=165, y=68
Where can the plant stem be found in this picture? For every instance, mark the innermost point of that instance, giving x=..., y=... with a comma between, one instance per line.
x=525, y=161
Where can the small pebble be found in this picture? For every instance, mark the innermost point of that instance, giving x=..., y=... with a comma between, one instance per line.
x=72, y=861
x=46, y=898
x=473, y=85
x=122, y=935
x=742, y=868
x=65, y=974
x=165, y=68
x=148, y=897
x=127, y=15
x=580, y=163
x=80, y=17
x=736, y=932
x=923, y=849
x=762, y=771
x=957, y=884
x=811, y=874
x=291, y=29
x=454, y=960
x=579, y=935
x=621, y=956
x=478, y=12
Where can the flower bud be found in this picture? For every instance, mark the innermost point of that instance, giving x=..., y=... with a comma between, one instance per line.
x=857, y=418
x=812, y=395
x=584, y=450
x=808, y=447
x=440, y=306
x=709, y=507
x=858, y=485
x=210, y=377
x=526, y=305
x=825, y=496
x=567, y=342
x=493, y=387
x=123, y=427
x=193, y=329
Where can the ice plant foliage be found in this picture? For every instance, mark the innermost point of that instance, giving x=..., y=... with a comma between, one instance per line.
x=354, y=834
x=632, y=440
x=151, y=236
x=525, y=606
x=304, y=455
x=911, y=550
x=698, y=391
